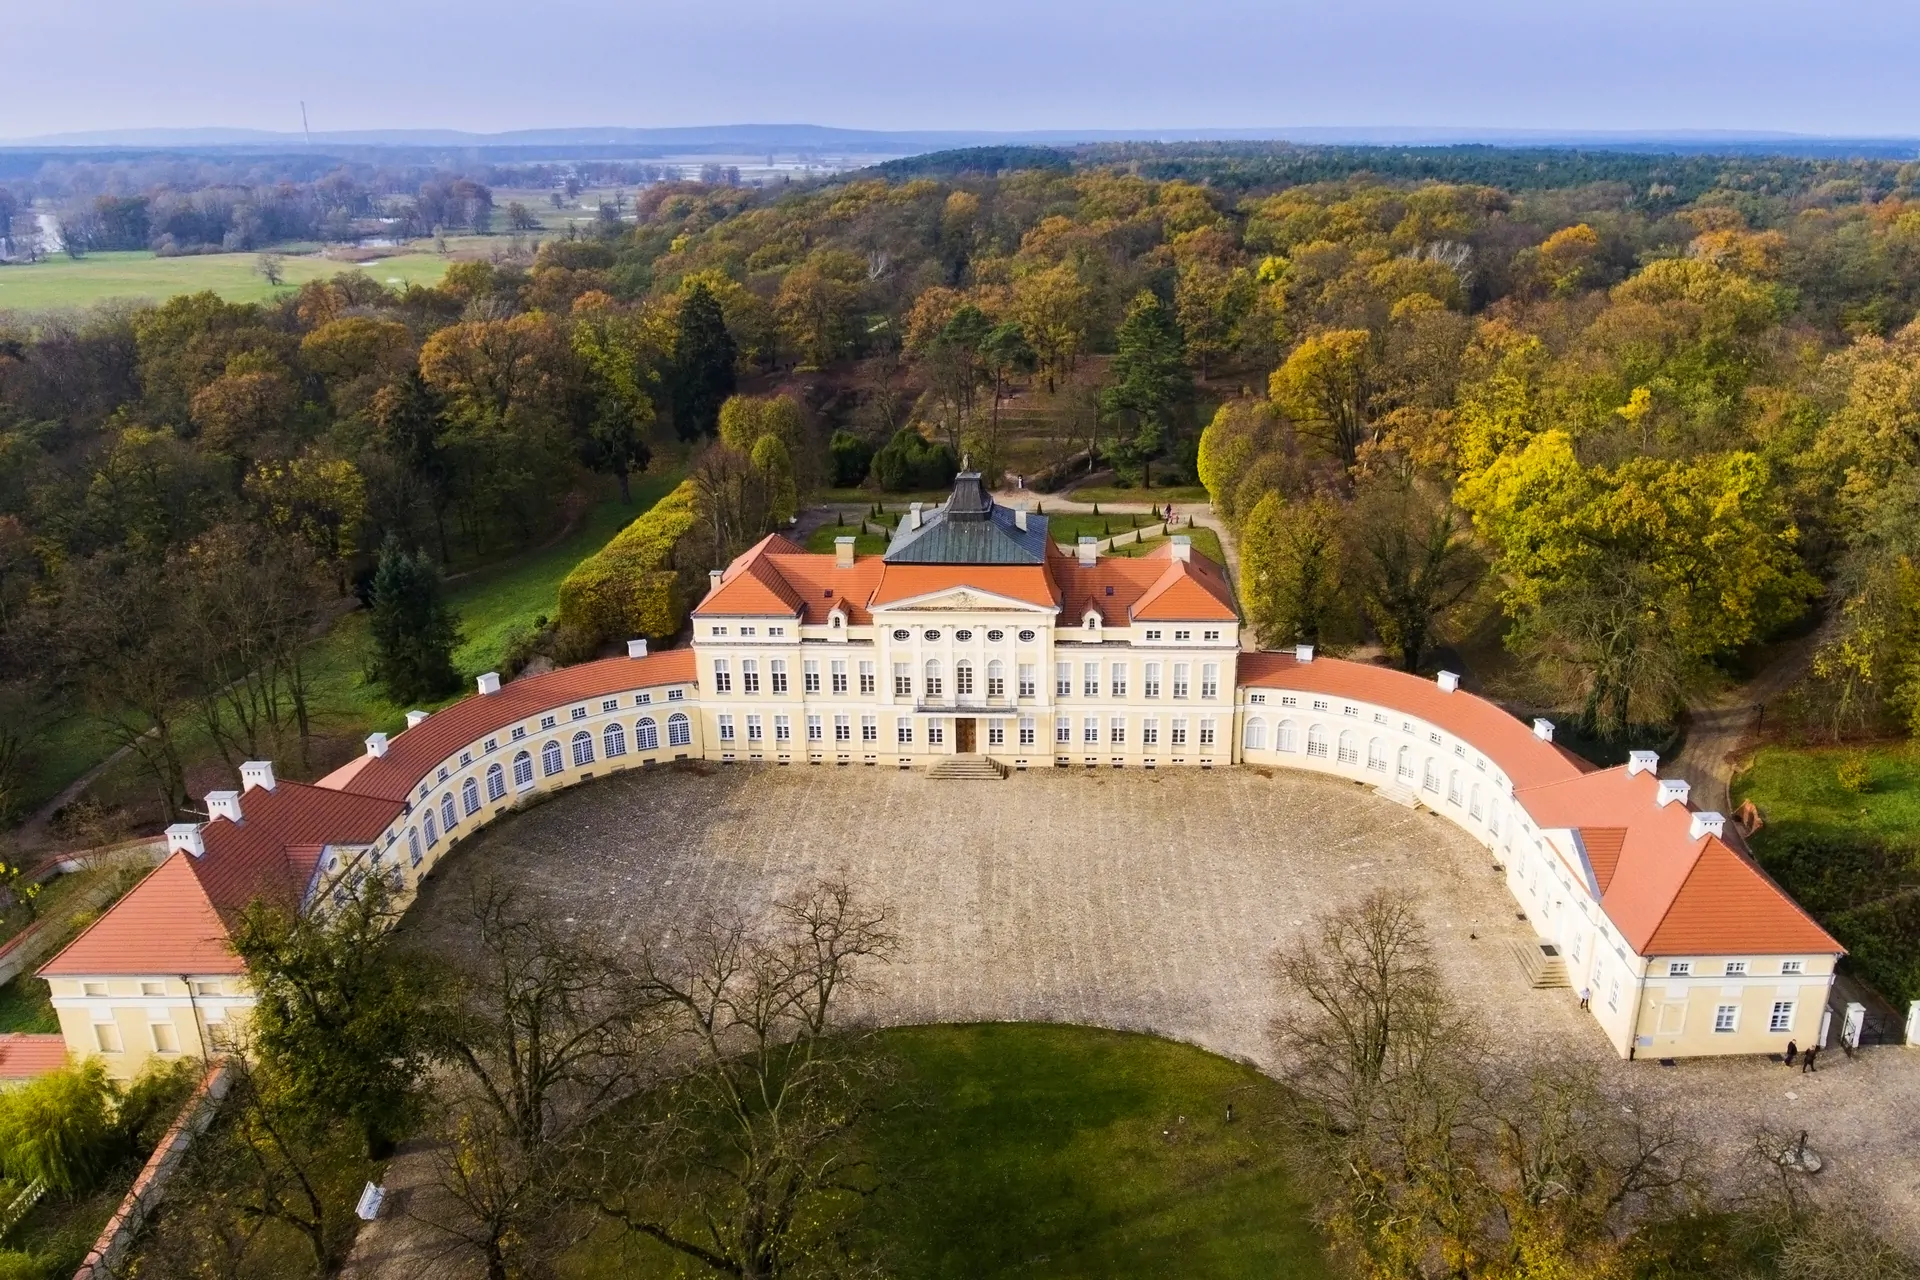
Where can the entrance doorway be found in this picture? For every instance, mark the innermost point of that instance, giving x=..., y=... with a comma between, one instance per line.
x=963, y=736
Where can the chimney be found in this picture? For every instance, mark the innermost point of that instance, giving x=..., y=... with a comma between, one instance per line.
x=1303, y=653
x=1182, y=548
x=415, y=717
x=637, y=647
x=1707, y=824
x=184, y=837
x=713, y=579
x=223, y=804
x=843, y=553
x=376, y=745
x=1089, y=551
x=1448, y=681
x=1543, y=730
x=1020, y=519
x=256, y=773
x=1671, y=789
x=913, y=516
x=1642, y=762
x=489, y=683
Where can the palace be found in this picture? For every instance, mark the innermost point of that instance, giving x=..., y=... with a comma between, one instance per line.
x=975, y=639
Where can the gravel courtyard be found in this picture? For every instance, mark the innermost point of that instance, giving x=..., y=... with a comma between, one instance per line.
x=1136, y=900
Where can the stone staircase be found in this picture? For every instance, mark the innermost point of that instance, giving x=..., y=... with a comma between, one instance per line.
x=1399, y=793
x=1542, y=962
x=976, y=767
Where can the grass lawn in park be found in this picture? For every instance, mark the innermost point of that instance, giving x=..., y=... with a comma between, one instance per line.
x=1180, y=495
x=1800, y=787
x=864, y=544
x=1023, y=1149
x=1205, y=541
x=61, y=282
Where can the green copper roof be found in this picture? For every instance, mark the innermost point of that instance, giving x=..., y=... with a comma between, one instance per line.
x=969, y=528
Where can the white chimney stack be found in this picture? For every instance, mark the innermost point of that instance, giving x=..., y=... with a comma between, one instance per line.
x=913, y=516
x=637, y=647
x=1020, y=519
x=1183, y=548
x=843, y=552
x=1642, y=762
x=713, y=579
x=184, y=837
x=256, y=773
x=1303, y=653
x=1707, y=824
x=223, y=804
x=488, y=683
x=1089, y=551
x=1543, y=730
x=1448, y=681
x=376, y=745
x=415, y=717
x=1671, y=790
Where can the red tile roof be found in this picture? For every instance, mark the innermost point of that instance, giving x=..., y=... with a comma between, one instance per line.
x=412, y=754
x=819, y=584
x=24, y=1056
x=1150, y=588
x=165, y=925
x=273, y=850
x=1603, y=846
x=1029, y=584
x=753, y=587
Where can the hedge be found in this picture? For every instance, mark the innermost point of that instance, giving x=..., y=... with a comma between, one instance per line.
x=632, y=586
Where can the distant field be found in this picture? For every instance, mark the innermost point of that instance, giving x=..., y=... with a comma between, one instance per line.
x=101, y=277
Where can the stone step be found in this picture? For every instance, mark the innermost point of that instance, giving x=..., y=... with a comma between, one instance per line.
x=1399, y=793
x=1542, y=963
x=977, y=767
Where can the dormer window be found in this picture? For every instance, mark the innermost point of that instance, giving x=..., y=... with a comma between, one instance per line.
x=828, y=594
x=1679, y=968
x=837, y=620
x=1092, y=621
x=1109, y=590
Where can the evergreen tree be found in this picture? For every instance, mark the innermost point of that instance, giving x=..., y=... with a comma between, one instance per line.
x=1150, y=382
x=703, y=356
x=414, y=630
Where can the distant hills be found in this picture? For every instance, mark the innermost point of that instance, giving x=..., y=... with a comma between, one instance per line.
x=755, y=138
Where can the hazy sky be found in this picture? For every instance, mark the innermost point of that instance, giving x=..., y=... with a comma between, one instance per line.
x=1815, y=66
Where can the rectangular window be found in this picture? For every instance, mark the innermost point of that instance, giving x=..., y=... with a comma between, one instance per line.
x=1781, y=1019
x=1210, y=682
x=1179, y=737
x=782, y=729
x=903, y=730
x=776, y=631
x=996, y=733
x=1613, y=995
x=839, y=673
x=1117, y=679
x=936, y=732
x=546, y=722
x=1736, y=968
x=164, y=1039
x=963, y=680
x=726, y=728
x=1210, y=635
x=869, y=728
x=996, y=682
x=868, y=685
x=1149, y=733
x=778, y=669
x=746, y=631
x=1117, y=731
x=843, y=728
x=810, y=676
x=107, y=1036
x=749, y=676
x=1183, y=635
x=816, y=730
x=1029, y=731
x=1063, y=679
x=1090, y=731
x=1206, y=733
x=754, y=733
x=1029, y=680
x=1791, y=966
x=722, y=678
x=1180, y=674
x=1090, y=679
x=719, y=631
x=1063, y=730
x=1150, y=687
x=1726, y=1017
x=902, y=680
x=1679, y=968
x=578, y=713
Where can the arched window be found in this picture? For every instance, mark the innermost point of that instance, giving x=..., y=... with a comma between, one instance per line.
x=413, y=846
x=497, y=781
x=646, y=736
x=1287, y=739
x=1093, y=620
x=1256, y=735
x=1430, y=777
x=1376, y=755
x=582, y=748
x=448, y=818
x=1453, y=787
x=1474, y=808
x=963, y=679
x=836, y=620
x=679, y=732
x=470, y=796
x=615, y=739
x=551, y=762
x=1317, y=741
x=1349, y=749
x=933, y=677
x=523, y=770
x=996, y=679
x=433, y=832
x=1405, y=768
x=1493, y=820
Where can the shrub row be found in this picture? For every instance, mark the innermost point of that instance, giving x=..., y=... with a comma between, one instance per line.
x=634, y=586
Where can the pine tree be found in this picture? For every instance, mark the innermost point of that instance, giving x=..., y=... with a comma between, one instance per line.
x=703, y=357
x=1150, y=382
x=414, y=630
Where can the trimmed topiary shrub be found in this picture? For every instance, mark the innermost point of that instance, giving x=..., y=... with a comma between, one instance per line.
x=631, y=586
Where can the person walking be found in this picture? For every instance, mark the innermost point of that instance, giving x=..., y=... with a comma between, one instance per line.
x=1586, y=997
x=1793, y=1051
x=1806, y=1061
